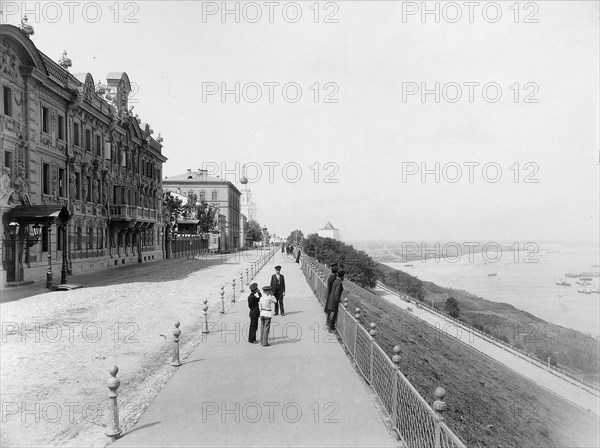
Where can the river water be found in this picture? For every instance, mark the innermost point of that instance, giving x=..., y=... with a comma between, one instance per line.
x=528, y=285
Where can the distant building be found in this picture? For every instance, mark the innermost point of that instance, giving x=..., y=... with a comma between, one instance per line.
x=329, y=232
x=218, y=193
x=248, y=207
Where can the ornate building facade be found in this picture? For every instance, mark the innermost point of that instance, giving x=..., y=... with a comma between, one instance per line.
x=70, y=142
x=218, y=193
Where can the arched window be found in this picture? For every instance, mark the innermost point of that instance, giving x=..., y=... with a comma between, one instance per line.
x=90, y=239
x=79, y=237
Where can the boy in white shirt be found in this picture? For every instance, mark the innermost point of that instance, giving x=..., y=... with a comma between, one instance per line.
x=266, y=301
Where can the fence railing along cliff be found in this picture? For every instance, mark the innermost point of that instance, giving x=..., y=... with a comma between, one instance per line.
x=490, y=337
x=415, y=422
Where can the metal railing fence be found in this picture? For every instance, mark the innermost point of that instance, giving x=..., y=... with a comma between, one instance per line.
x=417, y=424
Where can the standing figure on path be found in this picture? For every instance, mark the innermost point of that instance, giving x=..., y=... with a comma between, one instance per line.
x=282, y=247
x=278, y=290
x=265, y=315
x=334, y=299
x=298, y=256
x=330, y=280
x=253, y=301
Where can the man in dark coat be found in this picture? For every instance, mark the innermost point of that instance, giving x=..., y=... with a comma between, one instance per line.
x=298, y=255
x=334, y=299
x=278, y=290
x=330, y=280
x=253, y=300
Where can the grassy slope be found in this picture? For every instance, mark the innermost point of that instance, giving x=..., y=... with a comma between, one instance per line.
x=570, y=349
x=480, y=391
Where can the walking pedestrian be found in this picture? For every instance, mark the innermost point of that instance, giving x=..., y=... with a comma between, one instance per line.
x=253, y=301
x=298, y=255
x=334, y=299
x=278, y=290
x=265, y=315
x=334, y=269
x=282, y=247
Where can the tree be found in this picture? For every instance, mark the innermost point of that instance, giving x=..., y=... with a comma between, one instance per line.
x=207, y=217
x=452, y=307
x=295, y=237
x=359, y=267
x=254, y=230
x=188, y=210
x=172, y=206
x=202, y=211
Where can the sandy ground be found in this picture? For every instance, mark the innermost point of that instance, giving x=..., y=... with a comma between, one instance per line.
x=57, y=348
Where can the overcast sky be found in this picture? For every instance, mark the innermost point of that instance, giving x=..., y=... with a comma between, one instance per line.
x=363, y=143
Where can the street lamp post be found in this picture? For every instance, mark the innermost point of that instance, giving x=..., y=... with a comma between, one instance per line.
x=63, y=271
x=14, y=233
x=49, y=271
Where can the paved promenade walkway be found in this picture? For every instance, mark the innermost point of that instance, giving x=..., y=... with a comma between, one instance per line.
x=300, y=391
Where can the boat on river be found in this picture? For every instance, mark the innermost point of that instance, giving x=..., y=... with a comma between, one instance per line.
x=563, y=282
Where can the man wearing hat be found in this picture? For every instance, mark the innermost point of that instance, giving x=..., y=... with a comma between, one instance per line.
x=333, y=301
x=330, y=280
x=278, y=289
x=253, y=301
x=265, y=315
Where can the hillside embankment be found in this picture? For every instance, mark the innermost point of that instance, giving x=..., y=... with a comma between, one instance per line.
x=568, y=349
x=488, y=404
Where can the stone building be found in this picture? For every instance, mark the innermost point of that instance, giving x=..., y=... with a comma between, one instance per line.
x=328, y=231
x=218, y=193
x=72, y=147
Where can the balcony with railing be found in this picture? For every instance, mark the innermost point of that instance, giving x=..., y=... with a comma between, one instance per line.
x=132, y=213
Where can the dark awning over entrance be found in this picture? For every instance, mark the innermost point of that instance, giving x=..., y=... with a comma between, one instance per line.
x=38, y=214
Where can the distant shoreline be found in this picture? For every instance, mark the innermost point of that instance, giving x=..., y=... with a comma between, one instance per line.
x=566, y=347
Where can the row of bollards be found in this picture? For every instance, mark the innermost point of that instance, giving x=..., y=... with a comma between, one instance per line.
x=113, y=429
x=251, y=273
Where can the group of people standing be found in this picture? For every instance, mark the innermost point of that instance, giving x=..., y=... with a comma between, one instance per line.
x=333, y=296
x=289, y=250
x=261, y=306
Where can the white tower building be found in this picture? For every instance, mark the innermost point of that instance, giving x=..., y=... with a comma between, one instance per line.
x=248, y=207
x=329, y=232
